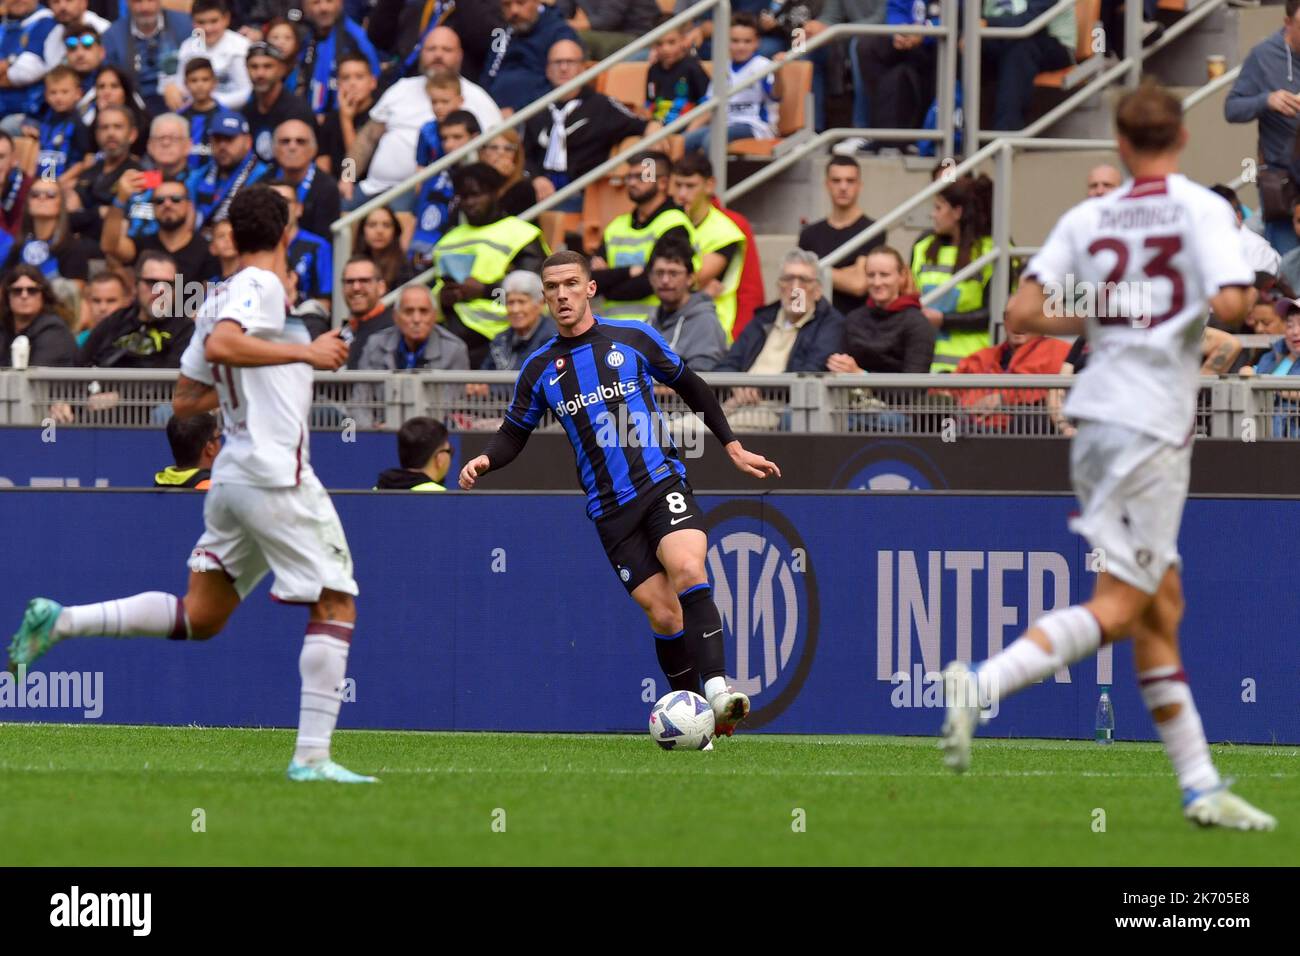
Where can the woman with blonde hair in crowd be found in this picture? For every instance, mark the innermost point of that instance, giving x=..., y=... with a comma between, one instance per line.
x=889, y=333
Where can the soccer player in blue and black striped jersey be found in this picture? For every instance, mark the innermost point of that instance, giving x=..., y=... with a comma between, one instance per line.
x=597, y=377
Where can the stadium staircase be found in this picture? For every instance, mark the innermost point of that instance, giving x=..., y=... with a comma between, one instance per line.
x=1070, y=132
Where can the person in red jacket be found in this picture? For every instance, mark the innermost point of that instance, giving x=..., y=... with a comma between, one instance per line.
x=1020, y=354
x=750, y=295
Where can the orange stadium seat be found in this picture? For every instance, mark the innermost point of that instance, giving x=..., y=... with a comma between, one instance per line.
x=625, y=82
x=1087, y=14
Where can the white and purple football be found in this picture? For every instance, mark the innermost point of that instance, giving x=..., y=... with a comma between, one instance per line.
x=682, y=720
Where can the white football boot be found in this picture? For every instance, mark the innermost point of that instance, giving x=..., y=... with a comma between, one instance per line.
x=1221, y=807
x=961, y=717
x=729, y=709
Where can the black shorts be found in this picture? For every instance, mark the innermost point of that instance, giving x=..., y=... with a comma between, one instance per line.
x=631, y=534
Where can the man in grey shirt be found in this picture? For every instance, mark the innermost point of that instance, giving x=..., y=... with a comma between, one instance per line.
x=1268, y=90
x=415, y=342
x=687, y=320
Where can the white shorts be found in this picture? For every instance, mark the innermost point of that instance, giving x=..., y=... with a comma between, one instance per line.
x=294, y=532
x=1132, y=488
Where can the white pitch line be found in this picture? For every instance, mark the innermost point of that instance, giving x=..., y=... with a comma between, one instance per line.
x=666, y=772
x=750, y=772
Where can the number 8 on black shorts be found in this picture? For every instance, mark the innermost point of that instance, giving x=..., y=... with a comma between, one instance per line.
x=631, y=535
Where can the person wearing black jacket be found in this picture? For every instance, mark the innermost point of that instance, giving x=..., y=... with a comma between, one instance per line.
x=576, y=134
x=424, y=452
x=890, y=333
x=788, y=335
x=28, y=308
x=151, y=332
x=195, y=443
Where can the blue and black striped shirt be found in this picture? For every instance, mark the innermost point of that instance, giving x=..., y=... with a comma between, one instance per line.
x=600, y=387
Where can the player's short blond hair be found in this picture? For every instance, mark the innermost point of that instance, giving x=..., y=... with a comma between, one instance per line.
x=1150, y=118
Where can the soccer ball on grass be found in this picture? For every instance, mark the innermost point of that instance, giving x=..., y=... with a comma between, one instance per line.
x=682, y=720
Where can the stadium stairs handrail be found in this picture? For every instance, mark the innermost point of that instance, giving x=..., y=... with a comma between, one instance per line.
x=946, y=35
x=1002, y=146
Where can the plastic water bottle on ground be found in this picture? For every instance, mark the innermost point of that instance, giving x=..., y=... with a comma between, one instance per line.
x=1105, y=718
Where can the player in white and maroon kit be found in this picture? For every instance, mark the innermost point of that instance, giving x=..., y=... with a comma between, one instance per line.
x=1168, y=250
x=266, y=510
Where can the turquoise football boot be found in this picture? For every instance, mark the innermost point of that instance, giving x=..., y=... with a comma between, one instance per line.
x=326, y=770
x=35, y=635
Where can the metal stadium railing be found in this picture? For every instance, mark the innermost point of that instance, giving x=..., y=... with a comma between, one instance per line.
x=950, y=407
x=946, y=36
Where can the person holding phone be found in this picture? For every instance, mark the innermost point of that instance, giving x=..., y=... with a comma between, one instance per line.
x=174, y=213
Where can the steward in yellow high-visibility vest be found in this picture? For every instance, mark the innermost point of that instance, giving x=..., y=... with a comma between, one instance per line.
x=473, y=259
x=720, y=242
x=195, y=443
x=965, y=311
x=629, y=238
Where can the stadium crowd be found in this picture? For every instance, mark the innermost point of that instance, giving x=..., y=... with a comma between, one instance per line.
x=130, y=125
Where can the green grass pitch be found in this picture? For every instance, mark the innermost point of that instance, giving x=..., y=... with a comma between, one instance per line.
x=75, y=795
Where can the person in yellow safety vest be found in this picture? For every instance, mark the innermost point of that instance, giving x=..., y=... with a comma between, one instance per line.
x=718, y=240
x=961, y=227
x=620, y=267
x=195, y=442
x=424, y=453
x=473, y=259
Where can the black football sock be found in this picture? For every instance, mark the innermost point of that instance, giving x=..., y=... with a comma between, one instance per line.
x=675, y=661
x=703, y=626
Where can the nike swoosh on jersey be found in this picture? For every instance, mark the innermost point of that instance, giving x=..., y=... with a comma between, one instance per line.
x=711, y=633
x=560, y=376
x=680, y=520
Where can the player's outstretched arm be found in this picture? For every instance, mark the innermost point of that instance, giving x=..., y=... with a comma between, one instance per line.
x=697, y=394
x=190, y=398
x=229, y=344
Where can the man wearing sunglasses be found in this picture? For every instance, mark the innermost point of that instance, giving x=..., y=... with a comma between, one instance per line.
x=151, y=332
x=84, y=52
x=66, y=14
x=174, y=214
x=22, y=67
